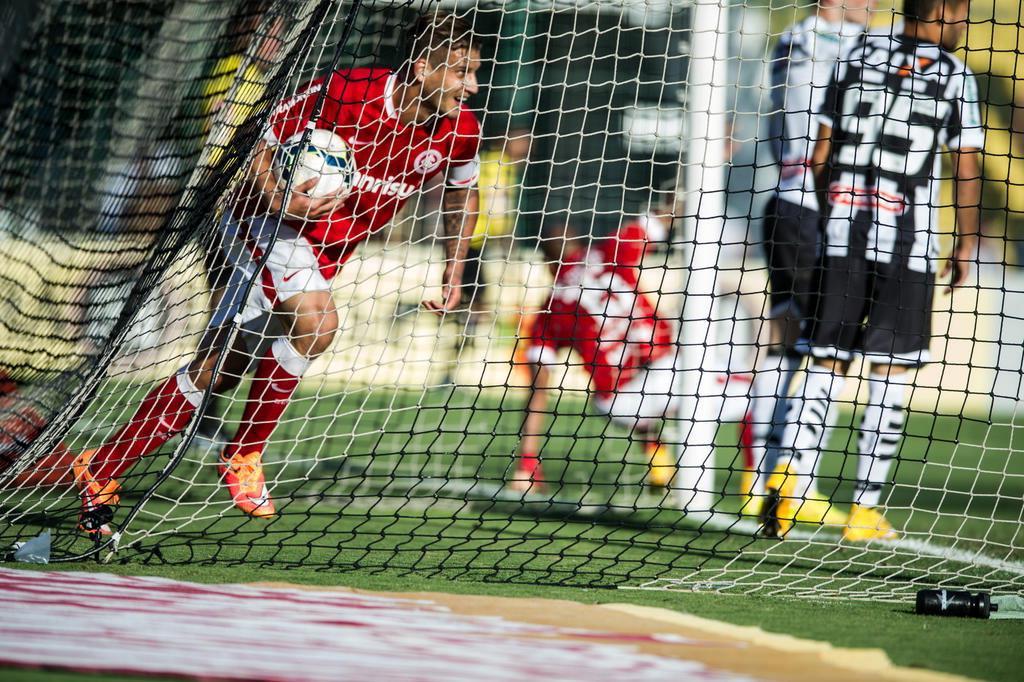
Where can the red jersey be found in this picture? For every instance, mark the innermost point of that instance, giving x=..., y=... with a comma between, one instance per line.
x=392, y=159
x=597, y=309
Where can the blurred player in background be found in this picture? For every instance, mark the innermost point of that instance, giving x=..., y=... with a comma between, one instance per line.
x=894, y=103
x=598, y=310
x=802, y=64
x=501, y=175
x=403, y=128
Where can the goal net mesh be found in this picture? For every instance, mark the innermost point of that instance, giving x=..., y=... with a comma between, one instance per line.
x=129, y=129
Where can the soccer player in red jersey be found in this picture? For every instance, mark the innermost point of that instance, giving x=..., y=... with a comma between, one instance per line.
x=403, y=128
x=597, y=309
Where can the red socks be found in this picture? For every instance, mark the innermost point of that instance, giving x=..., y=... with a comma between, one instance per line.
x=277, y=377
x=528, y=465
x=168, y=408
x=164, y=413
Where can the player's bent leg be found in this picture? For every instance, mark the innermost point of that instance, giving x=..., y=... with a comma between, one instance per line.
x=641, y=407
x=164, y=413
x=311, y=321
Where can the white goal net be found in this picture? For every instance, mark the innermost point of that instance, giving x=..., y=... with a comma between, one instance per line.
x=704, y=338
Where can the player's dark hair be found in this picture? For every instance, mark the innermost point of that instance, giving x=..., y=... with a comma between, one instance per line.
x=559, y=234
x=918, y=10
x=437, y=32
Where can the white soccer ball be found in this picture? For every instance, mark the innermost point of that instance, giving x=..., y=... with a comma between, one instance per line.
x=324, y=156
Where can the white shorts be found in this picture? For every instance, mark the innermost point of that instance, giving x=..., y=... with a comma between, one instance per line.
x=648, y=397
x=291, y=269
x=645, y=398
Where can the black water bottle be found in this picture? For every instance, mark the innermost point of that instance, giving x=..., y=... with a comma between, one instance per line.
x=954, y=603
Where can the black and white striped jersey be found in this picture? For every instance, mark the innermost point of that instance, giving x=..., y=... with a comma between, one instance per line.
x=803, y=63
x=893, y=104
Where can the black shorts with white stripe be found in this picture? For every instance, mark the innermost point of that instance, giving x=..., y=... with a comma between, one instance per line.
x=882, y=311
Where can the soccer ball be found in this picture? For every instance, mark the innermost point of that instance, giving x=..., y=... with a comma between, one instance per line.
x=324, y=156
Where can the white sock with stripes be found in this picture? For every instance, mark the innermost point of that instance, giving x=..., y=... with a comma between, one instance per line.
x=771, y=384
x=811, y=414
x=880, y=432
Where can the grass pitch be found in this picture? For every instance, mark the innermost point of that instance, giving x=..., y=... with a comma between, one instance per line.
x=402, y=490
x=380, y=478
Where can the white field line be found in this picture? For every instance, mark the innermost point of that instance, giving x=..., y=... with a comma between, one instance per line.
x=729, y=522
x=725, y=522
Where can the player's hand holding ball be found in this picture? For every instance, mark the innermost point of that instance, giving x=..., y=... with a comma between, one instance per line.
x=321, y=172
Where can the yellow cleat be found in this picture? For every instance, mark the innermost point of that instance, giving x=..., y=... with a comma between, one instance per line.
x=780, y=503
x=662, y=466
x=753, y=505
x=867, y=523
x=820, y=510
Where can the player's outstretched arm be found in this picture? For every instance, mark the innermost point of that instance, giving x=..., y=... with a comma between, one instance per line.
x=459, y=208
x=967, y=200
x=300, y=205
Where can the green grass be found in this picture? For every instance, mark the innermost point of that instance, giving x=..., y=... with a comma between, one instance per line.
x=376, y=479
x=401, y=490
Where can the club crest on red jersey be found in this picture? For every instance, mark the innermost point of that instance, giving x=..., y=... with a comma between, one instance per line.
x=427, y=161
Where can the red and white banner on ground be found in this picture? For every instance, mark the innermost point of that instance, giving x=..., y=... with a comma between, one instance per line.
x=141, y=625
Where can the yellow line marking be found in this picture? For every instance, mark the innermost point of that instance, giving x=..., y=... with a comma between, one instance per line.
x=871, y=663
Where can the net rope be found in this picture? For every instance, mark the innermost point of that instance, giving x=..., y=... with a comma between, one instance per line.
x=630, y=185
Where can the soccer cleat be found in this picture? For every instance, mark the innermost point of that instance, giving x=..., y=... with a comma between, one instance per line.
x=820, y=510
x=662, y=466
x=753, y=505
x=528, y=476
x=867, y=523
x=243, y=476
x=780, y=503
x=98, y=499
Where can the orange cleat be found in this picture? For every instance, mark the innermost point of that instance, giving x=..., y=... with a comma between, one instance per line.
x=98, y=499
x=243, y=475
